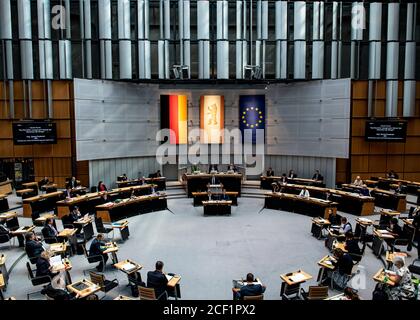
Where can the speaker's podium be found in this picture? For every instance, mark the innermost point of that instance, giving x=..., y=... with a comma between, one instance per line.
x=215, y=188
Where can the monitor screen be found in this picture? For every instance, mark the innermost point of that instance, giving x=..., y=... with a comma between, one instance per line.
x=34, y=132
x=386, y=130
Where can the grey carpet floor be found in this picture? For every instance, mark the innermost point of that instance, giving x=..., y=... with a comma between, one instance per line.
x=208, y=252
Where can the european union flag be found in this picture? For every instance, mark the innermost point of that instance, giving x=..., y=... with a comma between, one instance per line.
x=252, y=114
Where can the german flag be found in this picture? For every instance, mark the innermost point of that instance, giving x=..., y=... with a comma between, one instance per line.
x=173, y=115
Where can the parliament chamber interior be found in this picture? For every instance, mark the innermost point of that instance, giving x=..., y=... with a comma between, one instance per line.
x=209, y=150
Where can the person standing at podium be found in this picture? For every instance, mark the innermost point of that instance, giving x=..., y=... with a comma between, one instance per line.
x=214, y=180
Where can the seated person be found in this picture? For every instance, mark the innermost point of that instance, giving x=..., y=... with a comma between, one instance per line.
x=213, y=167
x=392, y=175
x=345, y=226
x=232, y=168
x=50, y=233
x=401, y=188
x=43, y=182
x=334, y=218
x=224, y=196
x=158, y=174
x=275, y=187
x=158, y=281
x=68, y=192
x=404, y=287
x=304, y=193
x=365, y=191
x=350, y=294
x=72, y=183
x=249, y=289
x=317, y=176
x=97, y=248
x=358, y=181
x=5, y=231
x=43, y=266
x=395, y=229
x=292, y=175
x=352, y=247
x=75, y=214
x=343, y=267
x=33, y=247
x=102, y=187
x=124, y=177
x=270, y=172
x=283, y=179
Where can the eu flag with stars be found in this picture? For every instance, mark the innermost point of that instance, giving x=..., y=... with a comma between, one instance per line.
x=252, y=114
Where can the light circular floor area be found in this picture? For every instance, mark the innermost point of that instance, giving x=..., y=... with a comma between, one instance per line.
x=208, y=252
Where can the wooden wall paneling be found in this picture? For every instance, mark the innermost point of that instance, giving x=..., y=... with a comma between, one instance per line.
x=43, y=150
x=377, y=147
x=395, y=163
x=358, y=127
x=39, y=110
x=23, y=151
x=18, y=90
x=6, y=148
x=395, y=147
x=43, y=167
x=412, y=146
x=62, y=148
x=62, y=167
x=61, y=90
x=379, y=107
x=379, y=89
x=60, y=181
x=359, y=146
x=359, y=89
x=63, y=128
x=38, y=89
x=4, y=109
x=377, y=164
x=6, y=131
x=359, y=163
x=411, y=176
x=413, y=127
x=411, y=163
x=359, y=108
x=61, y=109
x=19, y=109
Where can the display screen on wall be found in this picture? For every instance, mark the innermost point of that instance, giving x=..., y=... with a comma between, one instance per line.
x=212, y=122
x=174, y=111
x=37, y=132
x=386, y=130
x=252, y=114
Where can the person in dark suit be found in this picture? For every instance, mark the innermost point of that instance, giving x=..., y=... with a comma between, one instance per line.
x=352, y=246
x=158, y=174
x=124, y=177
x=50, y=233
x=400, y=188
x=292, y=175
x=97, y=248
x=416, y=225
x=5, y=231
x=232, y=167
x=75, y=214
x=343, y=266
x=158, y=281
x=283, y=179
x=43, y=266
x=395, y=229
x=392, y=175
x=213, y=167
x=33, y=247
x=334, y=218
x=250, y=288
x=317, y=176
x=72, y=183
x=270, y=172
x=43, y=182
x=365, y=191
x=68, y=192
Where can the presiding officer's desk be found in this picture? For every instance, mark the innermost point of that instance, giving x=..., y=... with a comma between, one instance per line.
x=160, y=183
x=113, y=211
x=313, y=207
x=198, y=182
x=217, y=207
x=411, y=186
x=34, y=206
x=347, y=201
x=265, y=182
x=4, y=204
x=199, y=197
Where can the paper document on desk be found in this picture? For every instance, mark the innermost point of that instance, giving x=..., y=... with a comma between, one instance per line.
x=297, y=277
x=128, y=266
x=168, y=277
x=56, y=260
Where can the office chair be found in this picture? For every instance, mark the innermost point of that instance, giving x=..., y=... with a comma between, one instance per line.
x=315, y=293
x=259, y=297
x=150, y=294
x=414, y=267
x=104, y=284
x=93, y=259
x=36, y=281
x=12, y=224
x=4, y=238
x=100, y=228
x=358, y=257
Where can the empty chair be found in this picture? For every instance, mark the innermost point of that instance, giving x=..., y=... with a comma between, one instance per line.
x=104, y=284
x=100, y=227
x=315, y=293
x=414, y=267
x=36, y=281
x=4, y=238
x=149, y=293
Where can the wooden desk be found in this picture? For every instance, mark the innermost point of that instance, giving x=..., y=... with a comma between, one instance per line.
x=378, y=242
x=216, y=207
x=112, y=248
x=198, y=182
x=40, y=222
x=380, y=277
x=91, y=288
x=34, y=206
x=4, y=204
x=67, y=233
x=318, y=224
x=199, y=197
x=340, y=245
x=265, y=182
x=387, y=215
x=31, y=185
x=389, y=199
x=159, y=182
x=326, y=263
x=65, y=265
x=24, y=230
x=292, y=281
x=361, y=227
x=86, y=204
x=26, y=193
x=412, y=186
x=48, y=188
x=11, y=219
x=2, y=286
x=389, y=257
x=57, y=248
x=313, y=207
x=123, y=227
x=80, y=190
x=113, y=211
x=128, y=266
x=6, y=187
